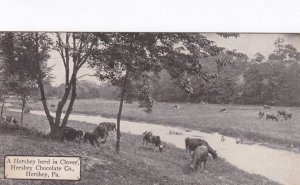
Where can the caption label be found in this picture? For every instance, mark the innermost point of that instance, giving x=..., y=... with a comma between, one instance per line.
x=34, y=167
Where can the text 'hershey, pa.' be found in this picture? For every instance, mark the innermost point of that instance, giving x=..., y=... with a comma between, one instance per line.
x=36, y=167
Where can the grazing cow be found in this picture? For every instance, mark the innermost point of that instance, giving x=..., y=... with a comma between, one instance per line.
x=10, y=119
x=222, y=139
x=175, y=107
x=271, y=116
x=222, y=110
x=192, y=143
x=261, y=114
x=267, y=107
x=100, y=132
x=239, y=140
x=200, y=155
x=288, y=115
x=281, y=113
x=174, y=133
x=148, y=137
x=52, y=106
x=71, y=134
x=110, y=125
x=92, y=137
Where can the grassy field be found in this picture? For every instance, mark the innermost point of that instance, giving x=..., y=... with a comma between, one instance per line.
x=134, y=165
x=237, y=121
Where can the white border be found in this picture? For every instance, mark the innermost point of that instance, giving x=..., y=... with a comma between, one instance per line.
x=151, y=15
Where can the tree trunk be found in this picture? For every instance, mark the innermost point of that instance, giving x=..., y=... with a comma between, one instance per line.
x=123, y=93
x=64, y=99
x=57, y=132
x=22, y=113
x=70, y=107
x=57, y=129
x=2, y=107
x=118, y=121
x=40, y=83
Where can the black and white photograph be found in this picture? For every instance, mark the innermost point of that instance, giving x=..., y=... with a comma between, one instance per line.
x=149, y=107
x=154, y=108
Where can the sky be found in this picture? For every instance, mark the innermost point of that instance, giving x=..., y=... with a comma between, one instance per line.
x=246, y=43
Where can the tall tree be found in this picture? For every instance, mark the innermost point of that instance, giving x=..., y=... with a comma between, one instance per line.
x=75, y=49
x=7, y=58
x=22, y=69
x=284, y=52
x=132, y=62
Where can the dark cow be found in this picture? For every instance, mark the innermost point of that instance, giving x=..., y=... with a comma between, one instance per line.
x=100, y=132
x=110, y=125
x=92, y=137
x=148, y=137
x=10, y=119
x=71, y=134
x=192, y=143
x=261, y=114
x=222, y=110
x=52, y=106
x=222, y=139
x=271, y=116
x=174, y=133
x=281, y=113
x=200, y=155
x=175, y=107
x=288, y=115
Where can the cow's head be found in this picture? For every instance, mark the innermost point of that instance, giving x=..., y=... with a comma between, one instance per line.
x=214, y=154
x=80, y=134
x=160, y=147
x=14, y=121
x=103, y=141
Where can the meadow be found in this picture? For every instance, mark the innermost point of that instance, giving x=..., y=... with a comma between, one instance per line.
x=237, y=121
x=135, y=164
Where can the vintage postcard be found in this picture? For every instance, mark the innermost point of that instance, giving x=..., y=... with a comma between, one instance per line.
x=149, y=108
x=141, y=92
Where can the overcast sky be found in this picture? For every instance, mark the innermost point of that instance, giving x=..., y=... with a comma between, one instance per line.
x=246, y=43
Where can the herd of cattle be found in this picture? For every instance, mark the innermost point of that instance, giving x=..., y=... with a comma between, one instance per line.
x=198, y=148
x=100, y=132
x=271, y=116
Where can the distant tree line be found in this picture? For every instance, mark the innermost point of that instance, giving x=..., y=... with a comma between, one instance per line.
x=257, y=81
x=86, y=90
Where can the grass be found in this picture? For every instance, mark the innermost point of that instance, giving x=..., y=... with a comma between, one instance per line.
x=237, y=121
x=135, y=164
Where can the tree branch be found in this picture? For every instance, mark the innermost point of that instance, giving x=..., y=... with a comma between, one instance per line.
x=86, y=56
x=60, y=49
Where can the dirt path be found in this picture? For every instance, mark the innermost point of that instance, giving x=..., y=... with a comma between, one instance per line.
x=278, y=165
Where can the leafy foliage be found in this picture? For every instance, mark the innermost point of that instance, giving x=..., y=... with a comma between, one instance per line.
x=284, y=52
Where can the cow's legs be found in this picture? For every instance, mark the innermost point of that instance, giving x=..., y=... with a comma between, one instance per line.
x=96, y=141
x=197, y=165
x=91, y=141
